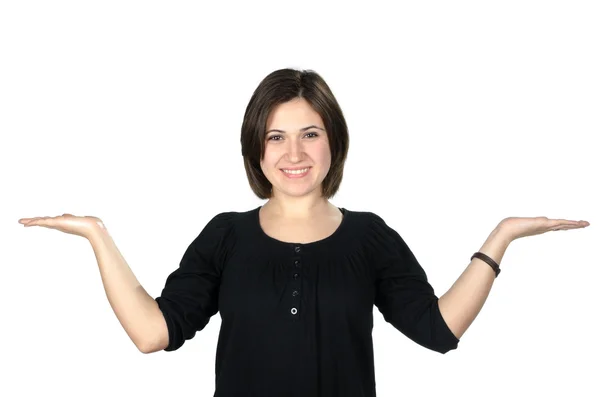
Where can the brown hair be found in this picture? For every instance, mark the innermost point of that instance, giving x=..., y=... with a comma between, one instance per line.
x=282, y=86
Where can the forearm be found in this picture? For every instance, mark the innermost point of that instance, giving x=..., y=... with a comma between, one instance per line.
x=135, y=309
x=461, y=304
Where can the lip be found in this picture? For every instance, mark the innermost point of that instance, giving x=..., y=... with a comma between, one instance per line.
x=292, y=176
x=294, y=168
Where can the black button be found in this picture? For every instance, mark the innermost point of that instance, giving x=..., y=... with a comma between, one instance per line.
x=297, y=249
x=296, y=275
x=296, y=262
x=295, y=293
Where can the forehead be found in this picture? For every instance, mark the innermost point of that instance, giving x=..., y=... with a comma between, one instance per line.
x=292, y=114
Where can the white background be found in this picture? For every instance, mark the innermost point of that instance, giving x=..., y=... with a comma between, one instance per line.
x=460, y=114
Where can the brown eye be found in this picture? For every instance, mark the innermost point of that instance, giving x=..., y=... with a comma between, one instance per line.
x=273, y=136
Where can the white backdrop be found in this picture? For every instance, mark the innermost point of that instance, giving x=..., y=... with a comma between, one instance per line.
x=460, y=114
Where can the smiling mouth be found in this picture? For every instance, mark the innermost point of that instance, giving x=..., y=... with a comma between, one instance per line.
x=292, y=173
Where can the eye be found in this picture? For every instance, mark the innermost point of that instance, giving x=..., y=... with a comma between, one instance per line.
x=274, y=136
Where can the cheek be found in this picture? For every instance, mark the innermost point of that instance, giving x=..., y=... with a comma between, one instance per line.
x=325, y=155
x=267, y=164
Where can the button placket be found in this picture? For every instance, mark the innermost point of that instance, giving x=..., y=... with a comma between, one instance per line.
x=296, y=282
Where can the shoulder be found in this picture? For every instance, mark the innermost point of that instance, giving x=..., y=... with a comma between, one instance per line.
x=228, y=222
x=369, y=228
x=232, y=217
x=221, y=233
x=374, y=231
x=366, y=219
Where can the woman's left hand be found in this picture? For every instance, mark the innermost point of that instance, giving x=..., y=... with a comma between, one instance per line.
x=522, y=227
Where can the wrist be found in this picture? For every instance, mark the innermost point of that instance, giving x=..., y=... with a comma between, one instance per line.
x=500, y=232
x=95, y=230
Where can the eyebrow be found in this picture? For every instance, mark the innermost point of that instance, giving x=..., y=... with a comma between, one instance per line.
x=301, y=129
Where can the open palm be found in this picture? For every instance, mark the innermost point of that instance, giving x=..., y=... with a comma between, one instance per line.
x=67, y=223
x=517, y=227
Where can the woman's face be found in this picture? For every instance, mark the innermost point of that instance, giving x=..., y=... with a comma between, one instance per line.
x=294, y=145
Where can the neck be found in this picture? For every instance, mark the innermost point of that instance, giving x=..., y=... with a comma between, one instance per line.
x=301, y=208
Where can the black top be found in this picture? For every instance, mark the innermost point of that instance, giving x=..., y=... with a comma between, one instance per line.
x=297, y=319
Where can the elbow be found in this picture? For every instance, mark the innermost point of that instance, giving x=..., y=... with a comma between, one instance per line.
x=441, y=347
x=157, y=340
x=447, y=342
x=145, y=350
x=447, y=349
x=147, y=347
x=150, y=344
x=144, y=347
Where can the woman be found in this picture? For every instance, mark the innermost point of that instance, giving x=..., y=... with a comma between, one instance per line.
x=295, y=280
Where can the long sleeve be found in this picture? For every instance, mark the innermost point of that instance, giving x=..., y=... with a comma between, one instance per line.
x=190, y=296
x=403, y=294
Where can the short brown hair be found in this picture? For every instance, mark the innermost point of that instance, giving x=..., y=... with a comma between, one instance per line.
x=279, y=87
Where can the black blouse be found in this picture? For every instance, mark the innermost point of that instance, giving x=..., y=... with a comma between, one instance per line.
x=297, y=319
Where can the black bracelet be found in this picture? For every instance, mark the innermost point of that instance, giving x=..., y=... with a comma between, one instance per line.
x=488, y=260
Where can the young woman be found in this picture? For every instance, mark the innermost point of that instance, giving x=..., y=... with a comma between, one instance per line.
x=295, y=280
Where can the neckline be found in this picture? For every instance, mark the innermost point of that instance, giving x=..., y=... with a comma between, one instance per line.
x=333, y=235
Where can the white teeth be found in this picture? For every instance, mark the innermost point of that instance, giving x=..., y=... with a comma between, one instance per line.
x=296, y=172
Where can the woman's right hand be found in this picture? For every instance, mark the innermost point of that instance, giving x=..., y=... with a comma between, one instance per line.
x=82, y=226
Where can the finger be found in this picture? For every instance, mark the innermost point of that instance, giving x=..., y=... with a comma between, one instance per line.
x=37, y=221
x=578, y=225
x=23, y=220
x=32, y=222
x=554, y=223
x=40, y=221
x=562, y=221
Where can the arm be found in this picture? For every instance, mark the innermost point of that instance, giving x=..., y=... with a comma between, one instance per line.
x=137, y=311
x=462, y=302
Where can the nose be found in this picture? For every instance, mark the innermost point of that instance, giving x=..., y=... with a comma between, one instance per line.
x=295, y=149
